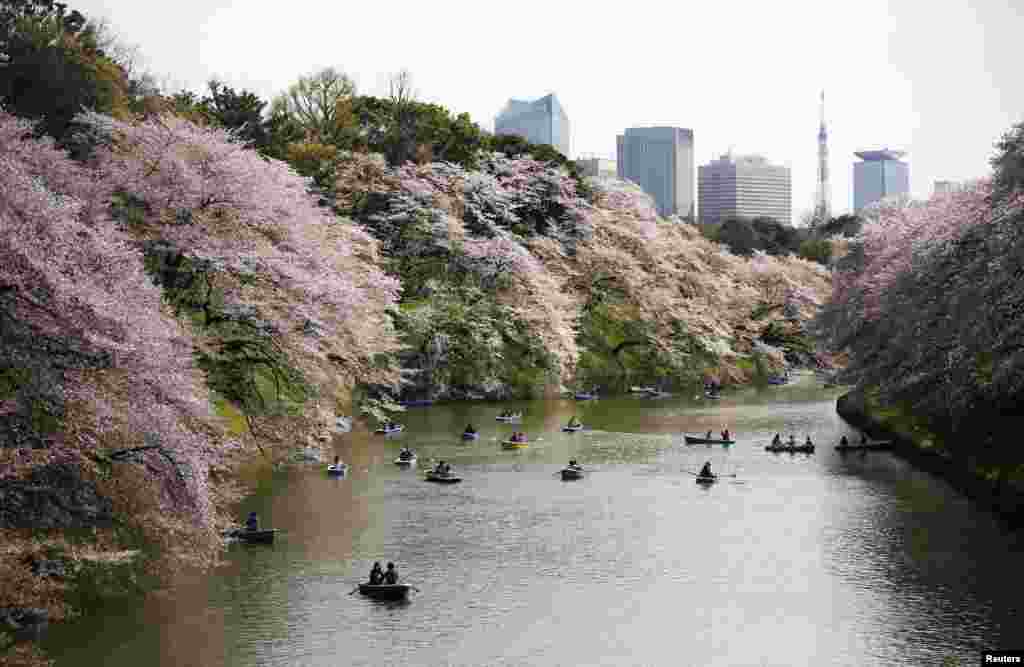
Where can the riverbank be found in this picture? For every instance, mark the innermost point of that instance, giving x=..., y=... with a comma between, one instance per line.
x=998, y=486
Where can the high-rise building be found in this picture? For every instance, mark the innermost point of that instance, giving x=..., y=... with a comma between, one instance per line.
x=880, y=175
x=660, y=161
x=541, y=121
x=597, y=167
x=949, y=187
x=744, y=186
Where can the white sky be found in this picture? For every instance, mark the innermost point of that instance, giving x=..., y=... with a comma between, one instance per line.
x=938, y=79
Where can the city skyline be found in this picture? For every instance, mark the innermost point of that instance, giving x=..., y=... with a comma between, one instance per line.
x=888, y=79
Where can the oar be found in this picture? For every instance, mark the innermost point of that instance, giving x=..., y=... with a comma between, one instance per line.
x=717, y=474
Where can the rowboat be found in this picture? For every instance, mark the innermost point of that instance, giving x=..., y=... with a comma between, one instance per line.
x=512, y=444
x=787, y=449
x=705, y=479
x=778, y=380
x=572, y=429
x=470, y=436
x=337, y=469
x=571, y=473
x=642, y=390
x=385, y=591
x=585, y=396
x=264, y=536
x=443, y=477
x=509, y=418
x=715, y=397
x=877, y=445
x=698, y=440
x=411, y=461
x=397, y=428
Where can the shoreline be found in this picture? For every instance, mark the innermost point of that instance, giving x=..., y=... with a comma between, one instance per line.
x=984, y=484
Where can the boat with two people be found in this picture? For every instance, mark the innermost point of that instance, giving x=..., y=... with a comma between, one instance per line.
x=790, y=447
x=389, y=427
x=573, y=425
x=516, y=441
x=707, y=439
x=470, y=433
x=572, y=471
x=384, y=585
x=406, y=457
x=442, y=474
x=864, y=446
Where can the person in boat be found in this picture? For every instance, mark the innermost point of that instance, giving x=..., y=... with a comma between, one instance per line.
x=439, y=468
x=337, y=462
x=573, y=422
x=405, y=454
x=725, y=434
x=573, y=465
x=252, y=522
x=708, y=436
x=376, y=575
x=391, y=576
x=844, y=442
x=706, y=470
x=470, y=429
x=777, y=441
x=808, y=443
x=792, y=440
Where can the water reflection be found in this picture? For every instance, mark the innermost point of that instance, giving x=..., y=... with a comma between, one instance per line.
x=798, y=560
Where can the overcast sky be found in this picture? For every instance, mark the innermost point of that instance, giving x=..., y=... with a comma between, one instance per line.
x=941, y=80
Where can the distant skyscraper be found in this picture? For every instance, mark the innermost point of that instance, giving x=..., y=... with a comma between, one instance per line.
x=823, y=200
x=745, y=186
x=541, y=121
x=880, y=175
x=597, y=167
x=660, y=161
x=949, y=187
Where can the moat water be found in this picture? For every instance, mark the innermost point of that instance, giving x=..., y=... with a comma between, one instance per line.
x=823, y=559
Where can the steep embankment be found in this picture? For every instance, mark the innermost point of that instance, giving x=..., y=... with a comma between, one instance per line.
x=929, y=303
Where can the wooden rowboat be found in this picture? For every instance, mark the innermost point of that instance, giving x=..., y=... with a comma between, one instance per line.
x=786, y=449
x=512, y=444
x=699, y=440
x=443, y=478
x=876, y=446
x=572, y=473
x=264, y=536
x=385, y=591
x=397, y=428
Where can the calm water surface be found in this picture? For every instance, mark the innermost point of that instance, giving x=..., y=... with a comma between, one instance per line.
x=799, y=560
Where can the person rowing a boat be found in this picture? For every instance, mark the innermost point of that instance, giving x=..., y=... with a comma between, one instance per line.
x=405, y=454
x=376, y=575
x=777, y=441
x=808, y=443
x=706, y=471
x=708, y=436
x=470, y=430
x=440, y=467
x=252, y=523
x=844, y=442
x=725, y=434
x=573, y=422
x=792, y=440
x=573, y=465
x=391, y=576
